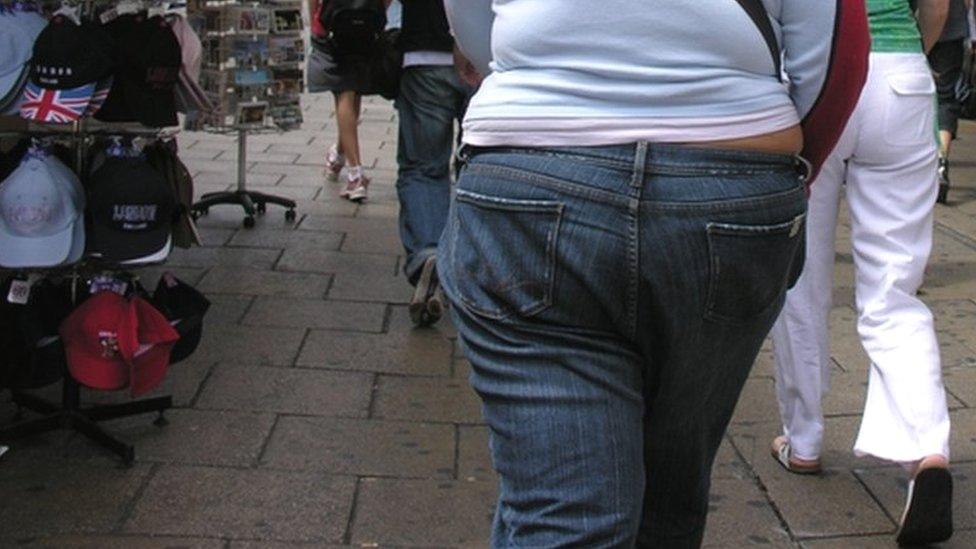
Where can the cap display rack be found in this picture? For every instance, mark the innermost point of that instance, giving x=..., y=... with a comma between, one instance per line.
x=69, y=412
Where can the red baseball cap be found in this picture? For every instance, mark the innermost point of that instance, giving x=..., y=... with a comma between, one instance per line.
x=156, y=339
x=113, y=342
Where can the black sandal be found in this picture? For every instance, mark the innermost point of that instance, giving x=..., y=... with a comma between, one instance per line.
x=928, y=514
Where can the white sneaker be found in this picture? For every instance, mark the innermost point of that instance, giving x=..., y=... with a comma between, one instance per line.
x=357, y=185
x=334, y=162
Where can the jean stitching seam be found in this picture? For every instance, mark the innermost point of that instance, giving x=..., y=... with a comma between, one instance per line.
x=549, y=182
x=731, y=204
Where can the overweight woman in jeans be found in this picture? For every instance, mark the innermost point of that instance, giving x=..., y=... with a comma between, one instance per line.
x=628, y=219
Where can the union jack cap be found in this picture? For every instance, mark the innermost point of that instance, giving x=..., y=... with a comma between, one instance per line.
x=55, y=106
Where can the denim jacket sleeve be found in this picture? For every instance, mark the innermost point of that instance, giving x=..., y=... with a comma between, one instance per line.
x=472, y=30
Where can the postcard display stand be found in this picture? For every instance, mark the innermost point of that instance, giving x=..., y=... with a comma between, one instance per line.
x=68, y=413
x=253, y=53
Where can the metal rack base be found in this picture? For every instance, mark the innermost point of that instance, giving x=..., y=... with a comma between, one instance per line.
x=69, y=415
x=252, y=202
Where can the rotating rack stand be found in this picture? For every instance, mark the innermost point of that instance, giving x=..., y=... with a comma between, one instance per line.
x=252, y=202
x=68, y=413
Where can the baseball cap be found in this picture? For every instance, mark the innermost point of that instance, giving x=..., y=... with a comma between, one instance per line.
x=69, y=59
x=131, y=208
x=18, y=31
x=112, y=342
x=145, y=85
x=184, y=306
x=71, y=184
x=39, y=215
x=163, y=157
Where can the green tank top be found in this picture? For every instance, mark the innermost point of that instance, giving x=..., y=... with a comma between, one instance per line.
x=893, y=27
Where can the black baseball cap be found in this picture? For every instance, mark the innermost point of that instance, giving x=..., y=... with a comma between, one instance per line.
x=131, y=208
x=184, y=306
x=31, y=352
x=144, y=89
x=68, y=55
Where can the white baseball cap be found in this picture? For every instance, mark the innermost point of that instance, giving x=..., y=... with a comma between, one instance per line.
x=39, y=216
x=71, y=184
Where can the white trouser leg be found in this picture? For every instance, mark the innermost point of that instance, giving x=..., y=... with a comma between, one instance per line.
x=801, y=348
x=891, y=190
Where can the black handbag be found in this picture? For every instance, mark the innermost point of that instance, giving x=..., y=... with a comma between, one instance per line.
x=386, y=66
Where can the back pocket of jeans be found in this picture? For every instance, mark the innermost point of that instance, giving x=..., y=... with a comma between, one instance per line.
x=503, y=256
x=751, y=268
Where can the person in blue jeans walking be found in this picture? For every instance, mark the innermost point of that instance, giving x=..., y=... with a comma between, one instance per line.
x=432, y=98
x=629, y=216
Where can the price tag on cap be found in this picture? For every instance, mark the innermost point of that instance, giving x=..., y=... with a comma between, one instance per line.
x=20, y=289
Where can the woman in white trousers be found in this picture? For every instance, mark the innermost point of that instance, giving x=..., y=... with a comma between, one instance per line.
x=888, y=159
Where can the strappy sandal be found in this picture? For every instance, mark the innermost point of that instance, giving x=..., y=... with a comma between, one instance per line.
x=782, y=453
x=928, y=512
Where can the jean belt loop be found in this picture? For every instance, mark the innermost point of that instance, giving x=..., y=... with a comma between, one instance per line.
x=803, y=168
x=640, y=164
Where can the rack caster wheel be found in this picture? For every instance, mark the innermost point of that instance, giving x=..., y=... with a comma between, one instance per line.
x=161, y=421
x=262, y=207
x=290, y=215
x=249, y=222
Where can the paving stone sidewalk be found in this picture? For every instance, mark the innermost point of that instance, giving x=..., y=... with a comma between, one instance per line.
x=314, y=415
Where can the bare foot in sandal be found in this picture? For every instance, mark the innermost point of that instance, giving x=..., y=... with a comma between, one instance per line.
x=782, y=452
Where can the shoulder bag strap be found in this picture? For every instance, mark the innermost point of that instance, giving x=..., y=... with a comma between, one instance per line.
x=757, y=12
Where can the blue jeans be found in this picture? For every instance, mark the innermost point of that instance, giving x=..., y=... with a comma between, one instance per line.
x=431, y=99
x=612, y=301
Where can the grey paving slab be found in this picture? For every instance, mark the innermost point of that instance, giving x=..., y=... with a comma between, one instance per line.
x=149, y=276
x=757, y=403
x=843, y=506
x=362, y=447
x=215, y=236
x=230, y=178
x=280, y=239
x=363, y=235
x=227, y=309
x=962, y=540
x=366, y=265
x=423, y=513
x=194, y=437
x=426, y=399
x=283, y=545
x=474, y=458
x=961, y=383
x=375, y=286
x=224, y=257
x=287, y=391
x=123, y=541
x=244, y=503
x=737, y=502
x=262, y=157
x=52, y=496
x=228, y=280
x=333, y=207
x=406, y=353
x=316, y=313
x=890, y=486
x=249, y=345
